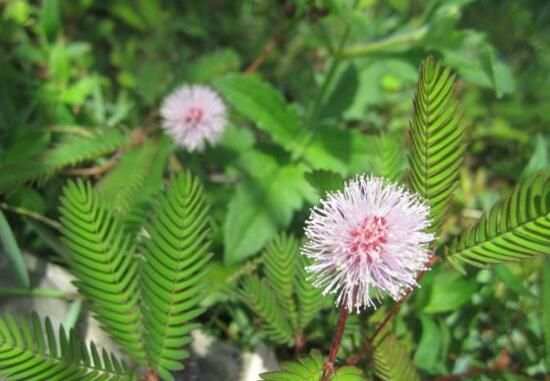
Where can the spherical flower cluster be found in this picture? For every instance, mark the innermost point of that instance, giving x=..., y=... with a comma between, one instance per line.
x=367, y=240
x=193, y=115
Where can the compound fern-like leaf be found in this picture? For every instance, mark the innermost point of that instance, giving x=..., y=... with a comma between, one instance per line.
x=392, y=361
x=71, y=150
x=436, y=140
x=30, y=352
x=310, y=368
x=121, y=188
x=280, y=265
x=516, y=228
x=310, y=299
x=389, y=160
x=261, y=298
x=176, y=256
x=101, y=256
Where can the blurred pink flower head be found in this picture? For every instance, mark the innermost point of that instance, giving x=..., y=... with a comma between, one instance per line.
x=367, y=240
x=194, y=115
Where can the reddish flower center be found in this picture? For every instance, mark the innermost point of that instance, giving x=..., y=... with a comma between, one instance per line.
x=194, y=115
x=368, y=237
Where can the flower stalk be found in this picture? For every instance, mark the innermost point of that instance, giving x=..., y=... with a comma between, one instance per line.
x=336, y=341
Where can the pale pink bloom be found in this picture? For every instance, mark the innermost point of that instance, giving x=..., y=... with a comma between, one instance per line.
x=367, y=240
x=193, y=115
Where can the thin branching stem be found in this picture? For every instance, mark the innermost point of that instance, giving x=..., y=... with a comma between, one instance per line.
x=367, y=344
x=31, y=214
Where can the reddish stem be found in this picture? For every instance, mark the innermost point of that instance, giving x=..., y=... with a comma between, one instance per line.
x=336, y=341
x=300, y=342
x=151, y=375
x=368, y=343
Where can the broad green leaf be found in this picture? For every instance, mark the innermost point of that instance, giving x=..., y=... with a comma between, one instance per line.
x=341, y=95
x=50, y=20
x=263, y=203
x=347, y=152
x=449, y=292
x=325, y=181
x=259, y=102
x=213, y=65
x=13, y=252
x=429, y=346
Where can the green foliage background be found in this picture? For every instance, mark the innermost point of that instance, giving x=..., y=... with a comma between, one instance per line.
x=81, y=80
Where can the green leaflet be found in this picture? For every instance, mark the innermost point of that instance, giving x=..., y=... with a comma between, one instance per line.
x=285, y=301
x=128, y=189
x=69, y=151
x=310, y=299
x=101, y=256
x=389, y=160
x=13, y=252
x=310, y=368
x=437, y=140
x=392, y=360
x=263, y=300
x=122, y=186
x=212, y=65
x=30, y=352
x=263, y=203
x=173, y=272
x=516, y=228
x=261, y=103
x=280, y=265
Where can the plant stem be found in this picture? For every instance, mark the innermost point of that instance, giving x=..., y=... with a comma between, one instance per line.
x=151, y=375
x=29, y=213
x=336, y=341
x=367, y=344
x=37, y=292
x=313, y=114
x=394, y=41
x=327, y=80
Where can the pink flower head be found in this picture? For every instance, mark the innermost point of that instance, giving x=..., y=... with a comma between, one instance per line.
x=366, y=240
x=193, y=115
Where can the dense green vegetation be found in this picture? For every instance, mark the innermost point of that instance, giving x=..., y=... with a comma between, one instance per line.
x=317, y=92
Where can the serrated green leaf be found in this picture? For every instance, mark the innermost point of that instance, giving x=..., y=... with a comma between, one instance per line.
x=262, y=204
x=176, y=255
x=101, y=256
x=346, y=152
x=281, y=257
x=69, y=151
x=516, y=228
x=262, y=299
x=29, y=353
x=310, y=299
x=436, y=140
x=259, y=102
x=392, y=360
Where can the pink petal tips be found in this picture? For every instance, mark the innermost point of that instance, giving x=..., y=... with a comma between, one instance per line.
x=367, y=240
x=194, y=115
